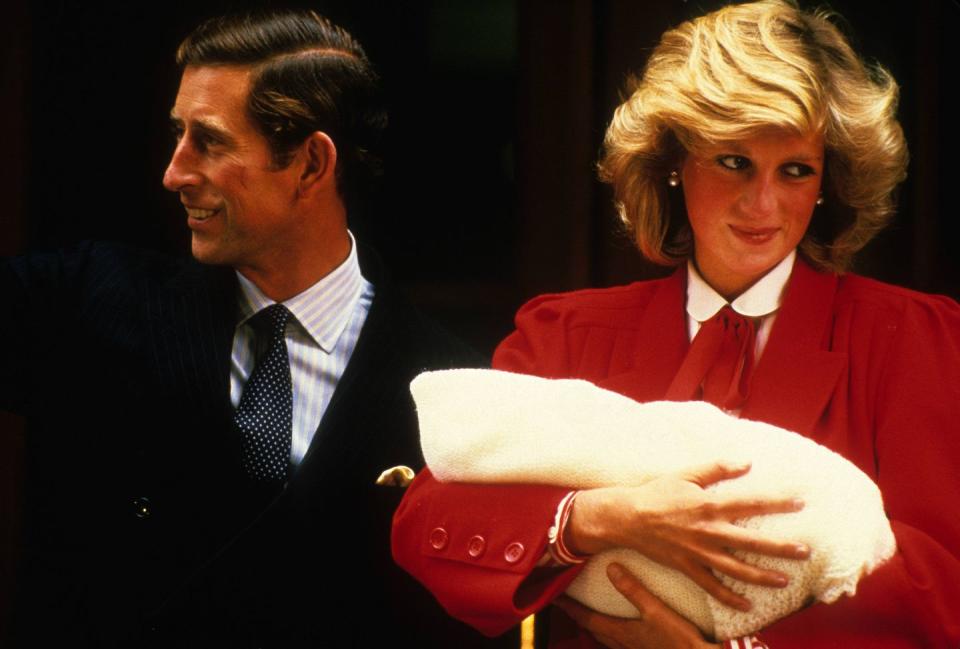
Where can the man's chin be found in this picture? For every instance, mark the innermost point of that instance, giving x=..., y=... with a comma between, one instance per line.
x=207, y=252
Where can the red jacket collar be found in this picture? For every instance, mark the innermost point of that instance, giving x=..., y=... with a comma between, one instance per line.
x=796, y=374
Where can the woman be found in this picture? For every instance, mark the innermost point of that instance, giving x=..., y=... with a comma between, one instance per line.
x=759, y=149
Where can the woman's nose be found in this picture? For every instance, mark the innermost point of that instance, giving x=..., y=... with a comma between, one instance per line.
x=760, y=197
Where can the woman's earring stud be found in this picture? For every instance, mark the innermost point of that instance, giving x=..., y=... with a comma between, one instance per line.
x=674, y=179
x=820, y=199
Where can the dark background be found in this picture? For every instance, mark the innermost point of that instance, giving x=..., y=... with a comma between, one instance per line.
x=497, y=109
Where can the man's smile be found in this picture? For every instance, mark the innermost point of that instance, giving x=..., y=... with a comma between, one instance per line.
x=199, y=214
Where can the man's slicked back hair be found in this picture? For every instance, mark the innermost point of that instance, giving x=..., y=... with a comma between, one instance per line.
x=307, y=75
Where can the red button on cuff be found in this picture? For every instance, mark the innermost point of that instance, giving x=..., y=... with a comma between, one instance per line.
x=514, y=552
x=476, y=546
x=439, y=538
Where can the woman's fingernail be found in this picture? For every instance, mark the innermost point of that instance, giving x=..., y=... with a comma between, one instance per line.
x=615, y=572
x=802, y=549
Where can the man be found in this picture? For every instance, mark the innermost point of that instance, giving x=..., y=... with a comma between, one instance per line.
x=196, y=476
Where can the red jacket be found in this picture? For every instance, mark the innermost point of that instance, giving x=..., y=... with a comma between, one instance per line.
x=869, y=370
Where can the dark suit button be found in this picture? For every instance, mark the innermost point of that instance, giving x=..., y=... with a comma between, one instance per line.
x=142, y=508
x=476, y=546
x=439, y=538
x=514, y=552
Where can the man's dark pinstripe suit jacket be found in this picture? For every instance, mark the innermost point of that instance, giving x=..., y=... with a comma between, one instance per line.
x=139, y=529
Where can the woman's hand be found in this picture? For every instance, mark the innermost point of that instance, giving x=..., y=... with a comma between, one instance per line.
x=675, y=522
x=658, y=626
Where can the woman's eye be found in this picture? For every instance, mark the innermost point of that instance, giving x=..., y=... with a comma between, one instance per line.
x=734, y=162
x=798, y=170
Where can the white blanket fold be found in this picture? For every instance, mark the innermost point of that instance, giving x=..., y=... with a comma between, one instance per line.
x=491, y=426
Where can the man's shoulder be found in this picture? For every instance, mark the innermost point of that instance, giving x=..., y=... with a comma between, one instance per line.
x=90, y=264
x=415, y=336
x=103, y=285
x=399, y=325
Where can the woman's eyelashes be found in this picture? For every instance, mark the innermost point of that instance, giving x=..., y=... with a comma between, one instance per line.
x=798, y=170
x=735, y=162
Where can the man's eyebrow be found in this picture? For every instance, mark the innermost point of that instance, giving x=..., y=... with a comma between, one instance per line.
x=206, y=128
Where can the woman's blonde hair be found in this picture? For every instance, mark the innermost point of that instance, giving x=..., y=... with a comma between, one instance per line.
x=738, y=71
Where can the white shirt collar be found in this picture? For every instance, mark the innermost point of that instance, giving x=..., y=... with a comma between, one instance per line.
x=763, y=298
x=322, y=310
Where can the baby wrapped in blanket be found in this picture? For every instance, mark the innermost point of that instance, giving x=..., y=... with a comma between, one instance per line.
x=492, y=426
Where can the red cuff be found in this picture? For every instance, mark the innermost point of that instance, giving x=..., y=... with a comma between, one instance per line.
x=751, y=642
x=555, y=545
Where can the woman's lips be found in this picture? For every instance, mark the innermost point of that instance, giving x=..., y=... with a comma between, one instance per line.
x=754, y=236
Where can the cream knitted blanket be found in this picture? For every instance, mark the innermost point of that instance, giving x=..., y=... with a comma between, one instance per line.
x=492, y=426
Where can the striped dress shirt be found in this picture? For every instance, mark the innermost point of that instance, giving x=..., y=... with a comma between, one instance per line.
x=321, y=336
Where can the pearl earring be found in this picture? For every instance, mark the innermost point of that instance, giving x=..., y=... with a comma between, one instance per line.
x=674, y=179
x=820, y=199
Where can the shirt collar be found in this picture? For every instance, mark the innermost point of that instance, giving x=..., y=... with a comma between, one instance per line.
x=763, y=298
x=323, y=310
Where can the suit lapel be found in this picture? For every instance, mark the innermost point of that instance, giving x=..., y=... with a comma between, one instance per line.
x=334, y=441
x=796, y=375
x=378, y=350
x=661, y=344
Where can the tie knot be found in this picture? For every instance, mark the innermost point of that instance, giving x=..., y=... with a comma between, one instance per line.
x=272, y=319
x=734, y=322
x=719, y=364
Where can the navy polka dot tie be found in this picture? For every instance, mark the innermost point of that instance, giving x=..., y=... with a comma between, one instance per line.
x=265, y=414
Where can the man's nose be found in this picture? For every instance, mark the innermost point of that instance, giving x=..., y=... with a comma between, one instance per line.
x=181, y=171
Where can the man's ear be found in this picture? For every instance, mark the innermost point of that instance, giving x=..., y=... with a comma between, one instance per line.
x=320, y=163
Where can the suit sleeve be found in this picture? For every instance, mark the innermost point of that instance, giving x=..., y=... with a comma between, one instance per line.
x=35, y=290
x=475, y=547
x=914, y=599
x=12, y=326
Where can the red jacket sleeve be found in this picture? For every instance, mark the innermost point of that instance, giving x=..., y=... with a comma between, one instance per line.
x=914, y=599
x=475, y=547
